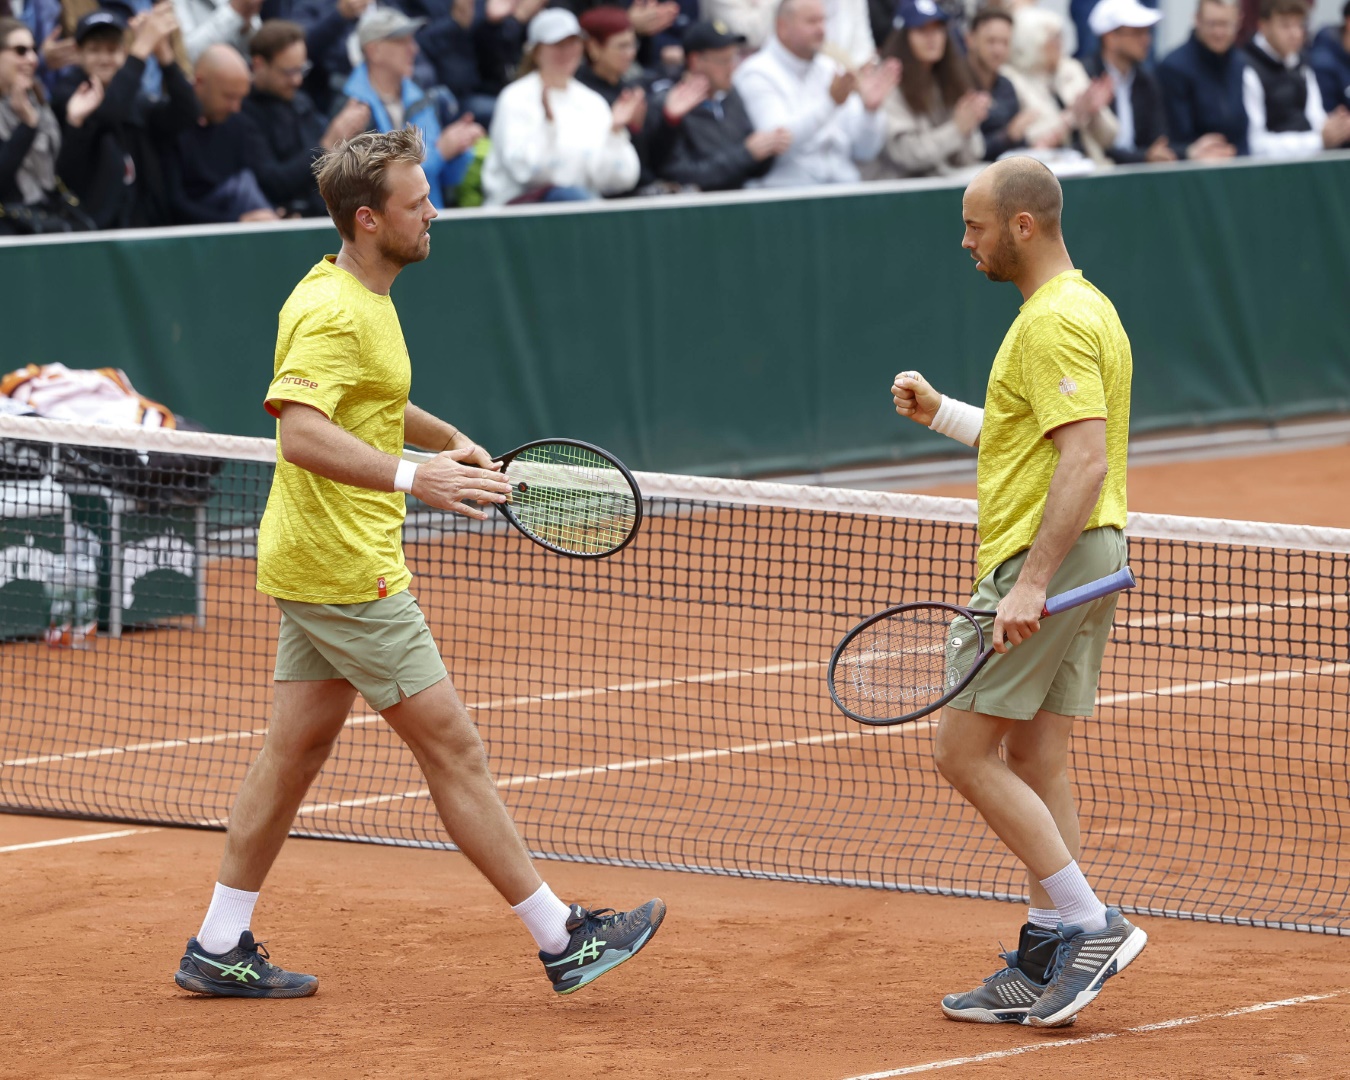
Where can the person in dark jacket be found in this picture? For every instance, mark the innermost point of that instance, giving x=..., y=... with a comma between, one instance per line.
x=116, y=169
x=1330, y=59
x=286, y=134
x=1285, y=115
x=704, y=137
x=1202, y=81
x=1124, y=29
x=208, y=176
x=988, y=45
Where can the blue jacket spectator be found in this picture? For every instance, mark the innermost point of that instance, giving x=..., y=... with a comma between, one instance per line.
x=1202, y=80
x=1330, y=59
x=384, y=83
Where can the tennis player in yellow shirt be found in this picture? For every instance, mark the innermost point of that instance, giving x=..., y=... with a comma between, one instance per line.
x=330, y=553
x=1052, y=442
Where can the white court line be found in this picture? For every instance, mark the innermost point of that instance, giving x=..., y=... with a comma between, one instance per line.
x=492, y=703
x=75, y=839
x=1102, y=1036
x=1178, y=689
x=1303, y=601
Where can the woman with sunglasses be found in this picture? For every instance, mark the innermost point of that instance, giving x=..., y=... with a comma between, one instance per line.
x=30, y=138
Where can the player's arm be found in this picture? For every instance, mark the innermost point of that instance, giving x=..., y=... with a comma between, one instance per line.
x=422, y=429
x=311, y=441
x=1074, y=490
x=917, y=400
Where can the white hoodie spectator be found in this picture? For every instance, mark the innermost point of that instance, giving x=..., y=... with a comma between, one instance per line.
x=552, y=137
x=832, y=114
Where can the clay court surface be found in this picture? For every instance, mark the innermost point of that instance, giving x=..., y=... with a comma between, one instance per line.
x=424, y=973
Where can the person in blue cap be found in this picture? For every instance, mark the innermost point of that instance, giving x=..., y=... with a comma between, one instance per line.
x=933, y=117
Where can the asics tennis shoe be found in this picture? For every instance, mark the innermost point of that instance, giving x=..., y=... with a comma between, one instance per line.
x=1083, y=964
x=244, y=971
x=601, y=940
x=1005, y=997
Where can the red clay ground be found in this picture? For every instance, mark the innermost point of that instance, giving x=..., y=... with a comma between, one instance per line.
x=425, y=974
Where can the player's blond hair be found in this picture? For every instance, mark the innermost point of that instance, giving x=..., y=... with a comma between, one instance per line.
x=352, y=174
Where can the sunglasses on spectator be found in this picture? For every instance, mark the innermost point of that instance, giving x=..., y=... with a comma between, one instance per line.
x=19, y=50
x=297, y=72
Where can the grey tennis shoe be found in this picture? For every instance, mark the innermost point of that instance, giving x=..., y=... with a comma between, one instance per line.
x=1084, y=962
x=1005, y=997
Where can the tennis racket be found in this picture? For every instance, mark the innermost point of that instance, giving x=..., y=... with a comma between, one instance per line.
x=568, y=496
x=908, y=661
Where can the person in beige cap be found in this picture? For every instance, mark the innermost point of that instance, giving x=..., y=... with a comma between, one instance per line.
x=553, y=139
x=384, y=83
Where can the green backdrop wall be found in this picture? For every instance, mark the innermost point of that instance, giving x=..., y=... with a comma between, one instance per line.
x=737, y=336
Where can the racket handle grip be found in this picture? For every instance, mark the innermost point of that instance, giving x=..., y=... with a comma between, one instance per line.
x=1093, y=590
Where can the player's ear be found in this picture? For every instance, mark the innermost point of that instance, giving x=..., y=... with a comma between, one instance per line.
x=1024, y=225
x=365, y=219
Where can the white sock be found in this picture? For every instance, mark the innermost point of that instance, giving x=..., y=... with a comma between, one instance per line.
x=545, y=917
x=1074, y=899
x=228, y=916
x=1045, y=918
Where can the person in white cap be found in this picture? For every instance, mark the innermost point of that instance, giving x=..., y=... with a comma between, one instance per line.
x=553, y=139
x=1124, y=30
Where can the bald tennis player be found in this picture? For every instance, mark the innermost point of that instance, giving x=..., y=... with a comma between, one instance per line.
x=1052, y=447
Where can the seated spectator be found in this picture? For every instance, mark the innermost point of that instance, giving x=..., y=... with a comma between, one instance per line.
x=1124, y=30
x=988, y=43
x=1202, y=84
x=1330, y=59
x=286, y=133
x=1071, y=111
x=217, y=22
x=385, y=85
x=206, y=165
x=554, y=140
x=659, y=25
x=833, y=114
x=31, y=157
x=705, y=136
x=611, y=52
x=933, y=117
x=1285, y=117
x=116, y=171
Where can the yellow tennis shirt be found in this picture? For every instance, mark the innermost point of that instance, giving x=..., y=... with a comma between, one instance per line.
x=1065, y=358
x=340, y=349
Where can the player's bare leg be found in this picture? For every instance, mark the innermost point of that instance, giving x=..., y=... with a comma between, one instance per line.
x=225, y=960
x=576, y=946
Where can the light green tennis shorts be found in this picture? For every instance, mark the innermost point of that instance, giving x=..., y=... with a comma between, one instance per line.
x=383, y=647
x=1059, y=666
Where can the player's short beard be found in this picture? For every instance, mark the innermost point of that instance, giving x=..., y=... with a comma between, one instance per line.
x=1006, y=260
x=402, y=254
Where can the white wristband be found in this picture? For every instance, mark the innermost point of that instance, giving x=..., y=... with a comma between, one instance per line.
x=403, y=477
x=958, y=421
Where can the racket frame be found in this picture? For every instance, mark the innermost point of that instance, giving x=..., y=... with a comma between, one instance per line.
x=1119, y=581
x=506, y=512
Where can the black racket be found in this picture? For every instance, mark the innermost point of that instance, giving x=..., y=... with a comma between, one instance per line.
x=908, y=661
x=568, y=496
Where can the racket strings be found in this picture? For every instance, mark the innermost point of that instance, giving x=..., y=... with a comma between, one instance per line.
x=572, y=498
x=905, y=663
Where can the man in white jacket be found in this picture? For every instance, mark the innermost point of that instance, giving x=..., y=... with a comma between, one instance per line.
x=833, y=114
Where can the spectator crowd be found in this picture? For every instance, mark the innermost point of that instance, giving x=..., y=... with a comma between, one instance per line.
x=122, y=113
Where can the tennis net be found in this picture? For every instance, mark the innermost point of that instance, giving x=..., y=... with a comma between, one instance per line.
x=667, y=708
